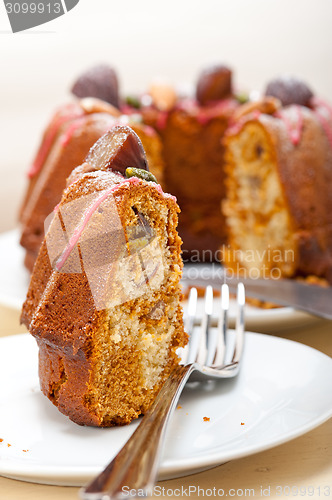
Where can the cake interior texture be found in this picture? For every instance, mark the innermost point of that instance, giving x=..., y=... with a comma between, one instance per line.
x=261, y=236
x=278, y=204
x=134, y=348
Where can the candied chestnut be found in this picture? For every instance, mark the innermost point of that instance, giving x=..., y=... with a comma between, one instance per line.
x=117, y=150
x=290, y=90
x=214, y=84
x=101, y=82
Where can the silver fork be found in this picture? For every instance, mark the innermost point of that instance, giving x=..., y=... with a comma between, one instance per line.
x=136, y=465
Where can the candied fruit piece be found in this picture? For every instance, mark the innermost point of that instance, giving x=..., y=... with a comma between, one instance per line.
x=117, y=150
x=214, y=84
x=100, y=82
x=290, y=90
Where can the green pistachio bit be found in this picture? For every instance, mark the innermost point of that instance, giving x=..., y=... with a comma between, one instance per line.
x=133, y=101
x=141, y=174
x=242, y=97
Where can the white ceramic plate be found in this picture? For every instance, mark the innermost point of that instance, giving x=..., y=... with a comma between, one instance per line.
x=15, y=280
x=283, y=391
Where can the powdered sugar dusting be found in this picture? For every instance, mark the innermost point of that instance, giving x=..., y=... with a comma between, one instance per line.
x=292, y=116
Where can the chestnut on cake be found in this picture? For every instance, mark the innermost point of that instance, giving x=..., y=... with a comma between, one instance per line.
x=104, y=298
x=278, y=205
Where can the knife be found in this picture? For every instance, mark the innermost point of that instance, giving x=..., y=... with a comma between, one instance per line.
x=314, y=299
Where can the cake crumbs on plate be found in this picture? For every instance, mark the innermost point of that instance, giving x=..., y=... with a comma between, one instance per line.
x=179, y=407
x=242, y=423
x=206, y=419
x=9, y=445
x=25, y=451
x=1, y=440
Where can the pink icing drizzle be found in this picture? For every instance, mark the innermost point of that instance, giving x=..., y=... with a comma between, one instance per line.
x=56, y=208
x=204, y=114
x=70, y=130
x=128, y=110
x=162, y=120
x=87, y=216
x=79, y=230
x=65, y=114
x=149, y=131
x=294, y=127
x=76, y=125
x=236, y=126
x=323, y=111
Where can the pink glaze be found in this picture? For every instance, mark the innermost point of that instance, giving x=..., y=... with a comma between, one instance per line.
x=205, y=114
x=188, y=104
x=79, y=230
x=126, y=109
x=236, y=126
x=323, y=111
x=87, y=216
x=149, y=130
x=66, y=137
x=56, y=208
x=75, y=125
x=63, y=115
x=294, y=128
x=316, y=101
x=162, y=120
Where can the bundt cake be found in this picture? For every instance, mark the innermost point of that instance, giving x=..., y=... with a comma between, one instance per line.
x=191, y=130
x=278, y=205
x=67, y=139
x=104, y=298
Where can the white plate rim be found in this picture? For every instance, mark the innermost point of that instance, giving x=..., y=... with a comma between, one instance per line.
x=169, y=468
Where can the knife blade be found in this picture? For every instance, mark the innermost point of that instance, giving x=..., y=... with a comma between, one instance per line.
x=316, y=300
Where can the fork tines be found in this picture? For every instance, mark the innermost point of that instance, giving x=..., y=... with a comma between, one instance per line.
x=208, y=346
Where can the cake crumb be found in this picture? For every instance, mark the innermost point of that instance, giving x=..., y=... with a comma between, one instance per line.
x=242, y=423
x=1, y=440
x=179, y=407
x=206, y=419
x=25, y=450
x=9, y=445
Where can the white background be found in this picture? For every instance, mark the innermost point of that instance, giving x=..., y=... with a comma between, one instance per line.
x=144, y=39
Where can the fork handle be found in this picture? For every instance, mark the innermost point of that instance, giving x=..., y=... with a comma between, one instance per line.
x=135, y=467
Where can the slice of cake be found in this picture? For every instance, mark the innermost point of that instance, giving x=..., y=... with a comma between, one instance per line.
x=73, y=130
x=192, y=130
x=278, y=205
x=104, y=298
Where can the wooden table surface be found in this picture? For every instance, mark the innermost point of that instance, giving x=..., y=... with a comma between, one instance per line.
x=304, y=462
